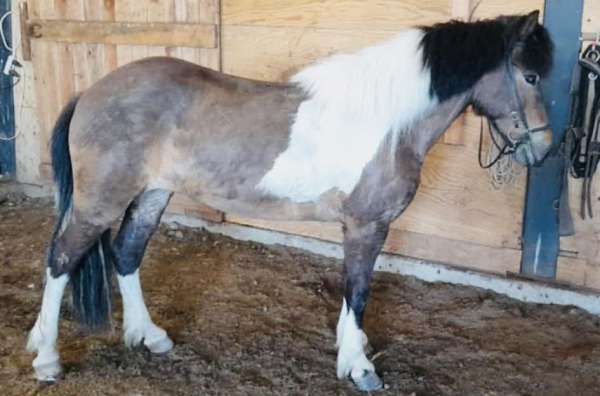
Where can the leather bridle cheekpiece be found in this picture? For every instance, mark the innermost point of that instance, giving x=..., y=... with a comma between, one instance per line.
x=519, y=118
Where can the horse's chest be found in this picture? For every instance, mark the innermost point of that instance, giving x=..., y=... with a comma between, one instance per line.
x=327, y=151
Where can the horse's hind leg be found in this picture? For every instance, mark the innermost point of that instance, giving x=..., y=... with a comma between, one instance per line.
x=65, y=251
x=140, y=222
x=43, y=335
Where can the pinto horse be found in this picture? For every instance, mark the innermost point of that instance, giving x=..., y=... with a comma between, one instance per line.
x=344, y=141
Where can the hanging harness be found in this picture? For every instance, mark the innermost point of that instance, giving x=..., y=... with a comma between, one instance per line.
x=583, y=137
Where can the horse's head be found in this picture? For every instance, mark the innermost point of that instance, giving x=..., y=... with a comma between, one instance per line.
x=510, y=95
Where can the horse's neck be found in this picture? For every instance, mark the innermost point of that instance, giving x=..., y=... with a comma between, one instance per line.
x=427, y=131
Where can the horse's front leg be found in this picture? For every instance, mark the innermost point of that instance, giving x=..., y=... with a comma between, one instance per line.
x=379, y=198
x=362, y=244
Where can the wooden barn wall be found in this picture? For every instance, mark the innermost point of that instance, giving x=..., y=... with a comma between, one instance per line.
x=457, y=216
x=61, y=69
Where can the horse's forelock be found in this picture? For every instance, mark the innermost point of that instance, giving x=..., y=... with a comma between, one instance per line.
x=537, y=51
x=460, y=53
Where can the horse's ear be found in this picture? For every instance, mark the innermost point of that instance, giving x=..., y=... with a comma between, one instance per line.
x=527, y=24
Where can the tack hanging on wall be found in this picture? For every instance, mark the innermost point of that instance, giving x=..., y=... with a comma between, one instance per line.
x=7, y=111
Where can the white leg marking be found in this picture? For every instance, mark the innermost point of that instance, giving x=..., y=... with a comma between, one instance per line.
x=351, y=341
x=43, y=335
x=137, y=324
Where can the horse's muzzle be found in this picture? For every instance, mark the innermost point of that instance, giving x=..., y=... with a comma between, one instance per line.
x=533, y=151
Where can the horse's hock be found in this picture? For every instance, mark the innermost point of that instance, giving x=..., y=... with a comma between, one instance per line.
x=252, y=319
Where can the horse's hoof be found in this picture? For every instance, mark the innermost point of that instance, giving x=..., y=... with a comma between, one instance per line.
x=48, y=372
x=160, y=346
x=369, y=381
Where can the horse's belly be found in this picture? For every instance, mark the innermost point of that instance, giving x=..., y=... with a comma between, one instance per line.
x=257, y=206
x=237, y=191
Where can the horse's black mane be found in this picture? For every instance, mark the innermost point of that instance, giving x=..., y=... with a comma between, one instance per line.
x=459, y=53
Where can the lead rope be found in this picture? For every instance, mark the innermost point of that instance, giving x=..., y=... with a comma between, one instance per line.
x=501, y=168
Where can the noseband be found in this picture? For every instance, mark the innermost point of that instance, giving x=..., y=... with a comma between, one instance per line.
x=519, y=118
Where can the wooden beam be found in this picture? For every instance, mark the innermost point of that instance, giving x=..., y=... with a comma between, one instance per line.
x=498, y=260
x=183, y=204
x=461, y=9
x=25, y=41
x=195, y=35
x=455, y=134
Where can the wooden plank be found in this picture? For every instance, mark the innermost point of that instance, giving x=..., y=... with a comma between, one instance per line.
x=278, y=52
x=129, y=11
x=25, y=41
x=181, y=14
x=456, y=132
x=591, y=17
x=572, y=270
x=493, y=8
x=463, y=254
x=461, y=9
x=64, y=70
x=324, y=231
x=81, y=69
x=127, y=33
x=182, y=204
x=43, y=56
x=353, y=15
x=194, y=11
x=63, y=75
x=456, y=200
x=100, y=58
x=592, y=275
x=459, y=253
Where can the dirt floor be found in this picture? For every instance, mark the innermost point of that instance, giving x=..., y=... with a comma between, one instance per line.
x=254, y=320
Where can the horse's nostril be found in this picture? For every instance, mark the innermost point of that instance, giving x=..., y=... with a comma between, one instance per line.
x=513, y=135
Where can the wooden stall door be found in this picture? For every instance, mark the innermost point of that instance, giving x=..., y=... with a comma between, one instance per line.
x=72, y=53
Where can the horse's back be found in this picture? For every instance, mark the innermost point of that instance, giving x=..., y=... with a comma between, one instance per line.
x=156, y=121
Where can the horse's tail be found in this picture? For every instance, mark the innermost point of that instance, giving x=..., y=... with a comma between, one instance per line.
x=90, y=280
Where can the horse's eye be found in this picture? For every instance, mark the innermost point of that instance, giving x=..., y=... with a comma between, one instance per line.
x=532, y=79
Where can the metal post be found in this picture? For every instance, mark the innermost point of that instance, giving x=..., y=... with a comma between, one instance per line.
x=7, y=110
x=541, y=242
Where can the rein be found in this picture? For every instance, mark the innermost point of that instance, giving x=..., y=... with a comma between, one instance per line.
x=519, y=118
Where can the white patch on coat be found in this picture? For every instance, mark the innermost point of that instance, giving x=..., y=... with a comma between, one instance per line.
x=43, y=335
x=351, y=342
x=355, y=100
x=137, y=324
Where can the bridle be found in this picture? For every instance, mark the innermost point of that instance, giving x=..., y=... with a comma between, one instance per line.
x=519, y=118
